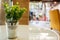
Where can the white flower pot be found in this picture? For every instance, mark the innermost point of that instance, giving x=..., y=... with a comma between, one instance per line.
x=11, y=30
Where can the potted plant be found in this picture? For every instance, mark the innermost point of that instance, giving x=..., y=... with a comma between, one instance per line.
x=13, y=14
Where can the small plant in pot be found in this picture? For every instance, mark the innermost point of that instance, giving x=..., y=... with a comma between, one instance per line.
x=13, y=14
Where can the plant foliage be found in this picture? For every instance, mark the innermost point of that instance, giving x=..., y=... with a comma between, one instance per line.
x=13, y=12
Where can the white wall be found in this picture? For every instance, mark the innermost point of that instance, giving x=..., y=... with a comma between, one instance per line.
x=56, y=7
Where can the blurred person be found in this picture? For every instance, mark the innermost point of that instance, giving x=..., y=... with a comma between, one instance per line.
x=34, y=18
x=44, y=17
x=40, y=18
x=31, y=16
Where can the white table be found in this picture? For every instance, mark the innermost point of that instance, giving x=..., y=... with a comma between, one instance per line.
x=22, y=33
x=25, y=32
x=42, y=34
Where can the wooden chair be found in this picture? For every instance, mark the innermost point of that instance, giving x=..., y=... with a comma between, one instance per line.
x=55, y=19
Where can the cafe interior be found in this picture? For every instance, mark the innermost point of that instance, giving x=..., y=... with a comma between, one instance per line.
x=40, y=21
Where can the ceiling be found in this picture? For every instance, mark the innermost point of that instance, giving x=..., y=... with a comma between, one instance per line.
x=46, y=0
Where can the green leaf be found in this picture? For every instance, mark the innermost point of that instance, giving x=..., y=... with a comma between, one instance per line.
x=14, y=12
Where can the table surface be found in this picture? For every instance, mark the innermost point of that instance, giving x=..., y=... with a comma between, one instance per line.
x=25, y=32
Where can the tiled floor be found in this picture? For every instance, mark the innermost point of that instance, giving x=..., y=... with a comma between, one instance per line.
x=29, y=33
